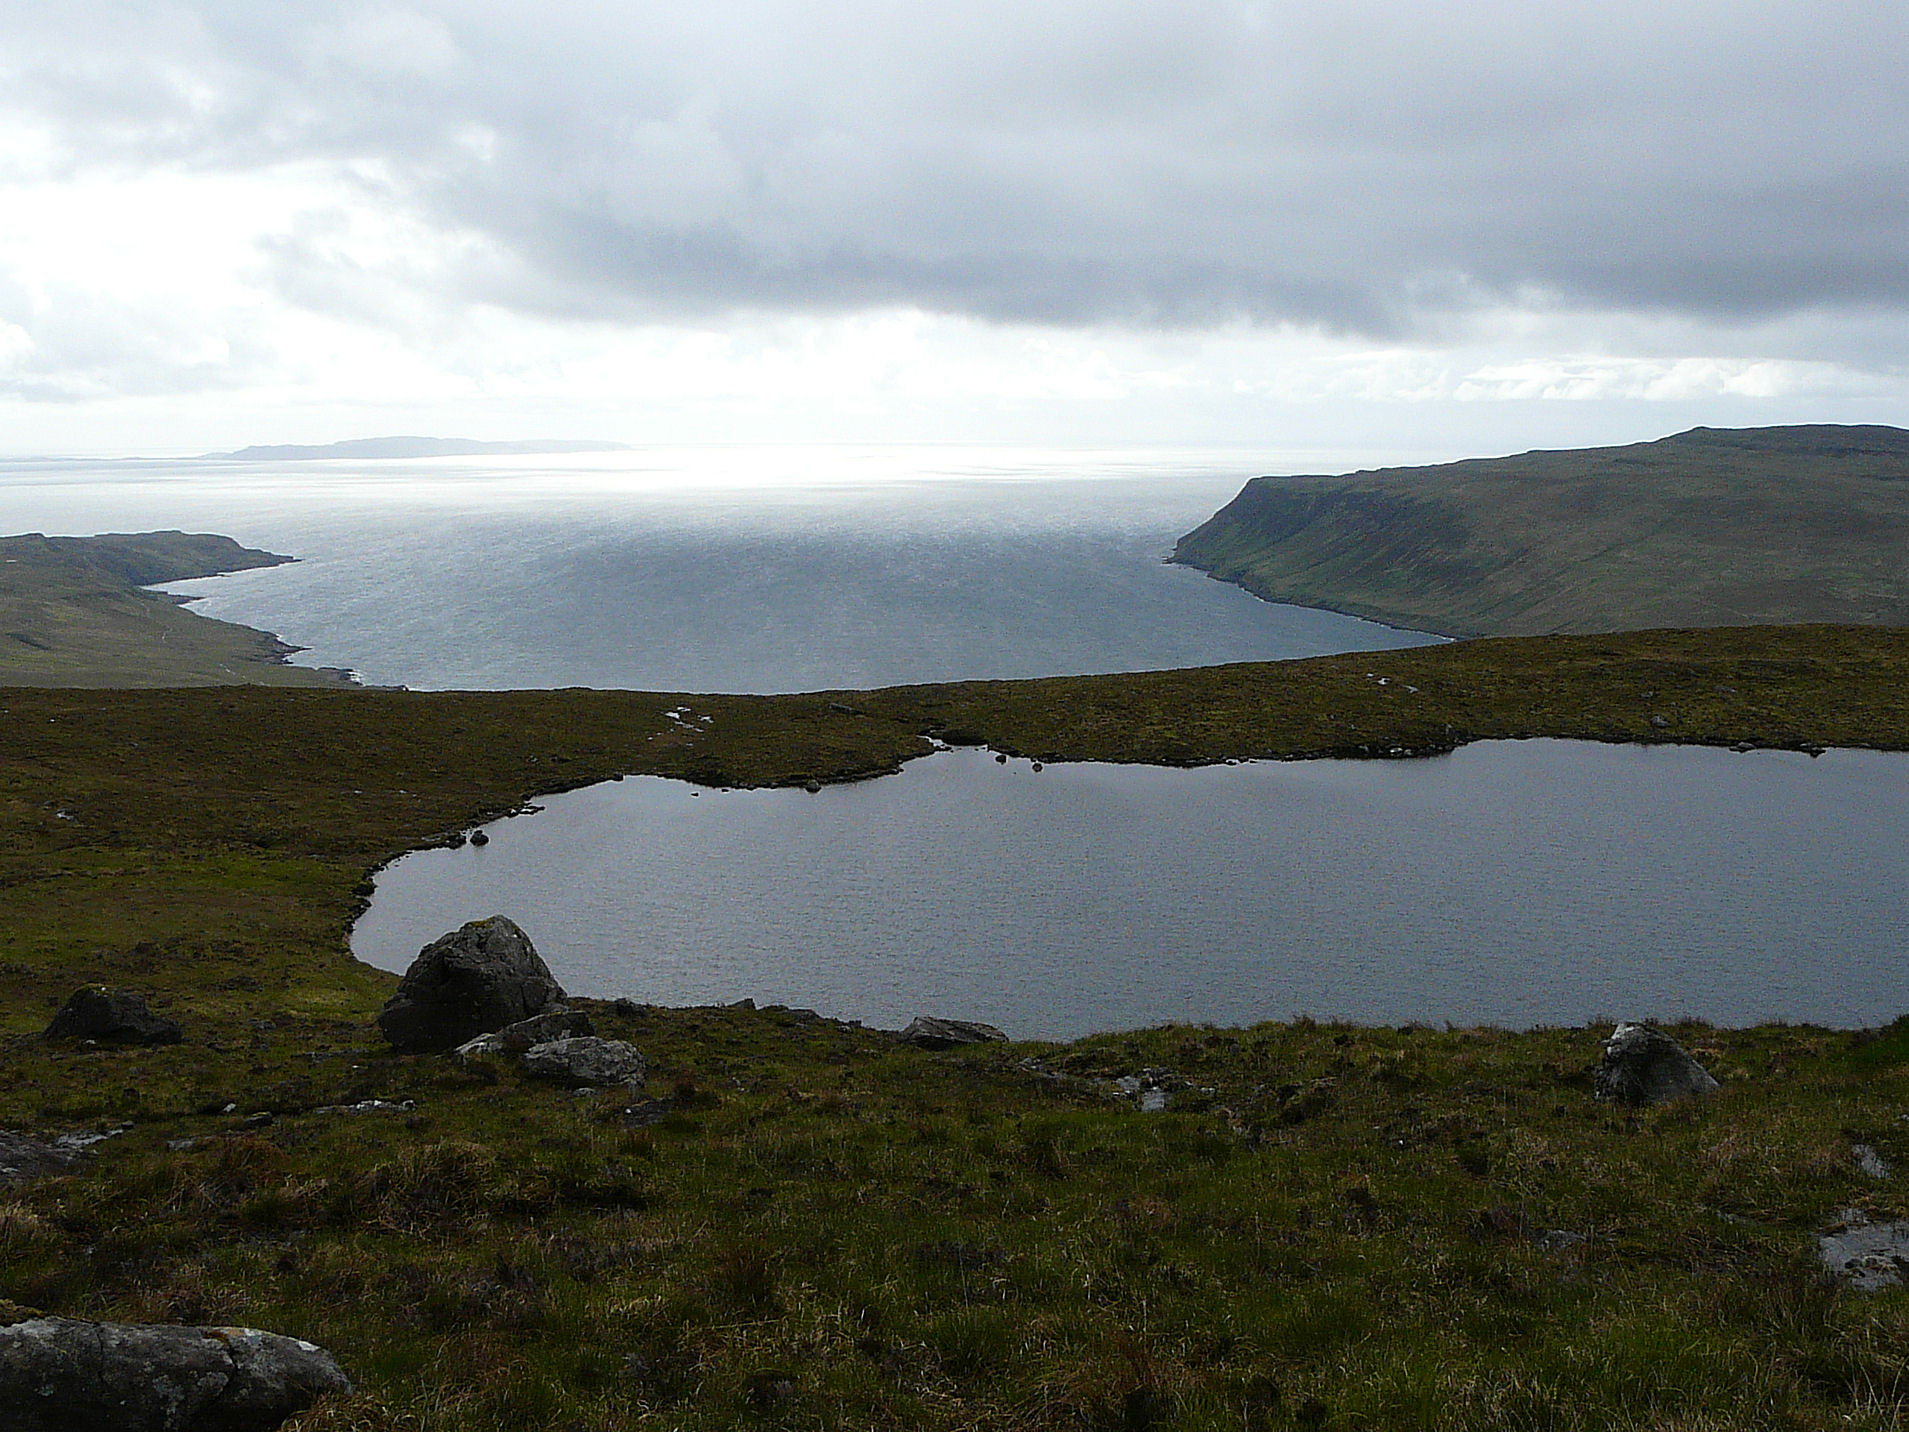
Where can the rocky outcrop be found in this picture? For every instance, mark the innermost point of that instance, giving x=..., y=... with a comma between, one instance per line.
x=1642, y=1065
x=112, y=1016
x=930, y=1033
x=63, y=1375
x=527, y=1033
x=586, y=1060
x=482, y=977
x=22, y=1158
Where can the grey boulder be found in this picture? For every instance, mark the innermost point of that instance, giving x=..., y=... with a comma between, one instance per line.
x=586, y=1060
x=526, y=1033
x=479, y=978
x=63, y=1375
x=1642, y=1065
x=112, y=1016
x=930, y=1033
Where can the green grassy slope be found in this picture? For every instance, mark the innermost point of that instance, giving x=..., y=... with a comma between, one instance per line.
x=73, y=613
x=1707, y=528
x=1331, y=1227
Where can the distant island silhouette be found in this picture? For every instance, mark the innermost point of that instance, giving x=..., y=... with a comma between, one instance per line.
x=402, y=447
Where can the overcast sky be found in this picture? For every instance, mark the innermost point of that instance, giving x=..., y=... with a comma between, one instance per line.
x=1457, y=227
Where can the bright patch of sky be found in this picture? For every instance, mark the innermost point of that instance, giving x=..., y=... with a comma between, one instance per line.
x=1460, y=228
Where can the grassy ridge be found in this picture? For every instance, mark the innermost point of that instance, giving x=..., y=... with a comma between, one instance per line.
x=1707, y=528
x=1330, y=1227
x=74, y=612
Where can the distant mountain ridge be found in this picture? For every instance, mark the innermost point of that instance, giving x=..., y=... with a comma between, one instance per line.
x=1711, y=527
x=403, y=447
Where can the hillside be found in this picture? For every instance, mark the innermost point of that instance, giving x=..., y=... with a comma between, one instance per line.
x=805, y=1224
x=1707, y=528
x=74, y=612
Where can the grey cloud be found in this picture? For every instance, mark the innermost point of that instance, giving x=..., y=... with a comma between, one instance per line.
x=86, y=348
x=1375, y=167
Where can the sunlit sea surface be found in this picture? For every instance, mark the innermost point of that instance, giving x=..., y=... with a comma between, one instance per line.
x=711, y=569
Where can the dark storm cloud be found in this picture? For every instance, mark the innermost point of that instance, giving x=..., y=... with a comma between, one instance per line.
x=1374, y=167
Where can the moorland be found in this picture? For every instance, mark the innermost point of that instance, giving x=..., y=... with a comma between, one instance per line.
x=804, y=1223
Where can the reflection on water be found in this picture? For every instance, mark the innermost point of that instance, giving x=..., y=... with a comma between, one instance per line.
x=1513, y=883
x=713, y=569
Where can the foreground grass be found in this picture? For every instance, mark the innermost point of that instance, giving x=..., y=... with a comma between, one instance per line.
x=1329, y=1227
x=1339, y=1227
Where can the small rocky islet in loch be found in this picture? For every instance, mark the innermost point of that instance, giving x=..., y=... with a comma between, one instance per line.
x=741, y=1217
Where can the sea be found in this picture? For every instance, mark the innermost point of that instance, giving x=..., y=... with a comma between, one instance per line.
x=739, y=569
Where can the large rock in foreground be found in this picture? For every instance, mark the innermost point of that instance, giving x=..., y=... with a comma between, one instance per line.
x=62, y=1375
x=112, y=1016
x=1642, y=1065
x=474, y=980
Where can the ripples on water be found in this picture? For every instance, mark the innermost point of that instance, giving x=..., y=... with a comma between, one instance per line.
x=714, y=569
x=1512, y=883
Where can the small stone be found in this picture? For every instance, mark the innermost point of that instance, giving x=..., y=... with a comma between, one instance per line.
x=112, y=1016
x=927, y=1032
x=1556, y=1240
x=527, y=1033
x=587, y=1060
x=479, y=837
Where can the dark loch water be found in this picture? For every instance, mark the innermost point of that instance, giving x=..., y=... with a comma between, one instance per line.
x=712, y=569
x=1511, y=883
